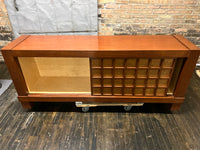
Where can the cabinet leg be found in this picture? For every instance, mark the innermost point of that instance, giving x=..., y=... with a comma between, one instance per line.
x=27, y=105
x=175, y=106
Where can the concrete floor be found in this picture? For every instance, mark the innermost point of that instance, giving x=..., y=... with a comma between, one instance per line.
x=56, y=126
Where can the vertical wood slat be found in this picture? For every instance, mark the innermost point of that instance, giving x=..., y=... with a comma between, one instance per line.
x=91, y=76
x=171, y=73
x=159, y=72
x=147, y=77
x=113, y=75
x=102, y=87
x=134, y=83
x=123, y=80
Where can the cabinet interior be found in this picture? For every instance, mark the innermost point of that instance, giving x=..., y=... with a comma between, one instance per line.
x=109, y=76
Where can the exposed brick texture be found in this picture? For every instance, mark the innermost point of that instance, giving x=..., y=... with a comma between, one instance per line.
x=133, y=17
x=5, y=28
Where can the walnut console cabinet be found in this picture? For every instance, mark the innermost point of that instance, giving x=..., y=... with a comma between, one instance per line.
x=128, y=69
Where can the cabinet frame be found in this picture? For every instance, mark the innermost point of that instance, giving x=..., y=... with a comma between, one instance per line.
x=190, y=55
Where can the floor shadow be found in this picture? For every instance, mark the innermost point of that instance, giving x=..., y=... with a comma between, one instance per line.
x=70, y=107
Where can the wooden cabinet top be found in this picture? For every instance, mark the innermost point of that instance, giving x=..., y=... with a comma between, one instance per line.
x=100, y=46
x=107, y=43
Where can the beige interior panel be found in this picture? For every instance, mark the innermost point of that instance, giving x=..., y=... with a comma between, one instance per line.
x=54, y=66
x=30, y=70
x=56, y=75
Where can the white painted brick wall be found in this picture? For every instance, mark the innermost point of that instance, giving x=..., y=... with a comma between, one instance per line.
x=53, y=16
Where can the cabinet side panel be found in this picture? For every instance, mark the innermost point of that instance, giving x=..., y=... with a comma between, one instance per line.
x=15, y=72
x=186, y=74
x=29, y=70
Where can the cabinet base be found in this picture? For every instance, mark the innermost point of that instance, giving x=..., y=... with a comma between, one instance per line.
x=175, y=107
x=28, y=101
x=27, y=105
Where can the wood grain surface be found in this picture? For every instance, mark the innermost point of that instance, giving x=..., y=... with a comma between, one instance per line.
x=100, y=43
x=88, y=46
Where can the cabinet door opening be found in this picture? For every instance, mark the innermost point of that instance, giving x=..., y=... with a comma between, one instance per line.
x=56, y=74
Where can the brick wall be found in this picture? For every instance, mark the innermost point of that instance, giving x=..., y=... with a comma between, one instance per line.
x=5, y=28
x=132, y=17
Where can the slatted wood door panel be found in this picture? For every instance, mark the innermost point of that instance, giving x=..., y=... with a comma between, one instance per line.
x=131, y=76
